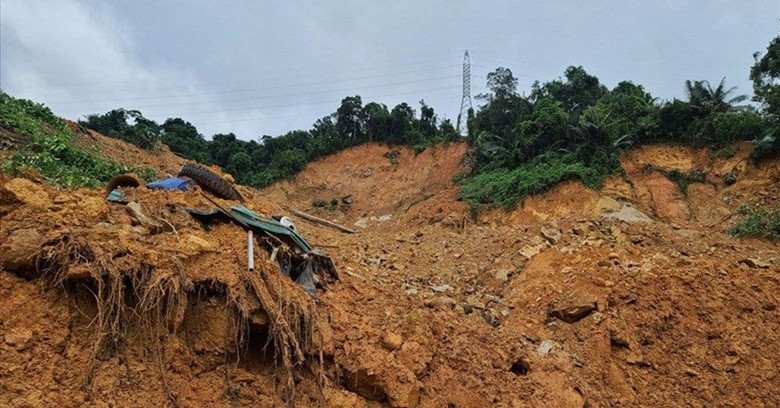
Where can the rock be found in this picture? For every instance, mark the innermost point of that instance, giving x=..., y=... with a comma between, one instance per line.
x=93, y=207
x=442, y=288
x=440, y=303
x=28, y=192
x=502, y=275
x=551, y=234
x=195, y=244
x=415, y=357
x=534, y=247
x=492, y=298
x=598, y=317
x=392, y=341
x=573, y=313
x=397, y=266
x=134, y=210
x=691, y=372
x=545, y=347
x=229, y=178
x=475, y=301
x=582, y=228
x=628, y=213
x=366, y=384
x=378, y=377
x=17, y=253
x=19, y=338
x=755, y=263
x=411, y=291
x=61, y=199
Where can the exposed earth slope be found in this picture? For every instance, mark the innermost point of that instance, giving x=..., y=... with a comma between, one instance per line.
x=632, y=296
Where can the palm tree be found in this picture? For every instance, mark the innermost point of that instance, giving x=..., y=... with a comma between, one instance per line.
x=703, y=97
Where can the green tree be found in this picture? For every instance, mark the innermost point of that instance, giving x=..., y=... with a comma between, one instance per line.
x=501, y=83
x=765, y=74
x=349, y=120
x=142, y=132
x=376, y=120
x=579, y=91
x=183, y=139
x=708, y=100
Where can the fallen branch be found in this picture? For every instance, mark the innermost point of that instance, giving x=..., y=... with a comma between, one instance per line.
x=322, y=221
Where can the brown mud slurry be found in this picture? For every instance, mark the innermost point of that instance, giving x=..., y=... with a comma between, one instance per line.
x=550, y=304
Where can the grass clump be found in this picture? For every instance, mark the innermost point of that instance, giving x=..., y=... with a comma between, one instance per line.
x=318, y=203
x=757, y=222
x=684, y=178
x=48, y=148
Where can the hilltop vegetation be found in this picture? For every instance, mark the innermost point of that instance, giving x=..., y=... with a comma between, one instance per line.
x=269, y=159
x=568, y=128
x=46, y=146
x=575, y=128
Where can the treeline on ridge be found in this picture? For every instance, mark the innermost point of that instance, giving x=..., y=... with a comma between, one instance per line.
x=260, y=163
x=573, y=127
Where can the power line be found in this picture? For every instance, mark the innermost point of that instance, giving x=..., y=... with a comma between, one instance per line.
x=285, y=95
x=262, y=88
x=301, y=104
x=312, y=68
x=297, y=115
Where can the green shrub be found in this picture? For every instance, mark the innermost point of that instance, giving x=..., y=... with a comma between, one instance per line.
x=684, y=179
x=729, y=178
x=757, y=222
x=504, y=187
x=765, y=148
x=392, y=155
x=318, y=203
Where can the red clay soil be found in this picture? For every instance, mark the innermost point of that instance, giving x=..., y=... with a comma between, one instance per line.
x=561, y=302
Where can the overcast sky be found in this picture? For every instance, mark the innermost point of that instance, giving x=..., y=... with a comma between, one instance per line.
x=267, y=67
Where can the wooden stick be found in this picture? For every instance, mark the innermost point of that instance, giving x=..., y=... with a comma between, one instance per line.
x=322, y=221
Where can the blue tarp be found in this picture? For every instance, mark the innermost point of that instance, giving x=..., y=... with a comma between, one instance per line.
x=172, y=183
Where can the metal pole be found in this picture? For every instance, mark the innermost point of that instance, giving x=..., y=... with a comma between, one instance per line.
x=250, y=251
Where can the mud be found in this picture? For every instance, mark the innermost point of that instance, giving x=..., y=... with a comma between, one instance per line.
x=550, y=304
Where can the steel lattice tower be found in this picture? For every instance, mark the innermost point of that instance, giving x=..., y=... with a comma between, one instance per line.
x=465, y=102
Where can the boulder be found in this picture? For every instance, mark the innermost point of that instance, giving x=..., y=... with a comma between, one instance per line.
x=534, y=247
x=415, y=357
x=18, y=252
x=755, y=263
x=392, y=341
x=93, y=207
x=376, y=376
x=551, y=234
x=28, y=192
x=19, y=338
x=573, y=313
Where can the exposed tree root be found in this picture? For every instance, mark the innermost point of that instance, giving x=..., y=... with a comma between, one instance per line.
x=129, y=291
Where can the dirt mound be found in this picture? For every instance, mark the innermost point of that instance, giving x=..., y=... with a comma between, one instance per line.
x=161, y=159
x=147, y=298
x=572, y=299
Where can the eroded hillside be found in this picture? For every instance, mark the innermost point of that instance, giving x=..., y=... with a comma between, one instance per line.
x=631, y=296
